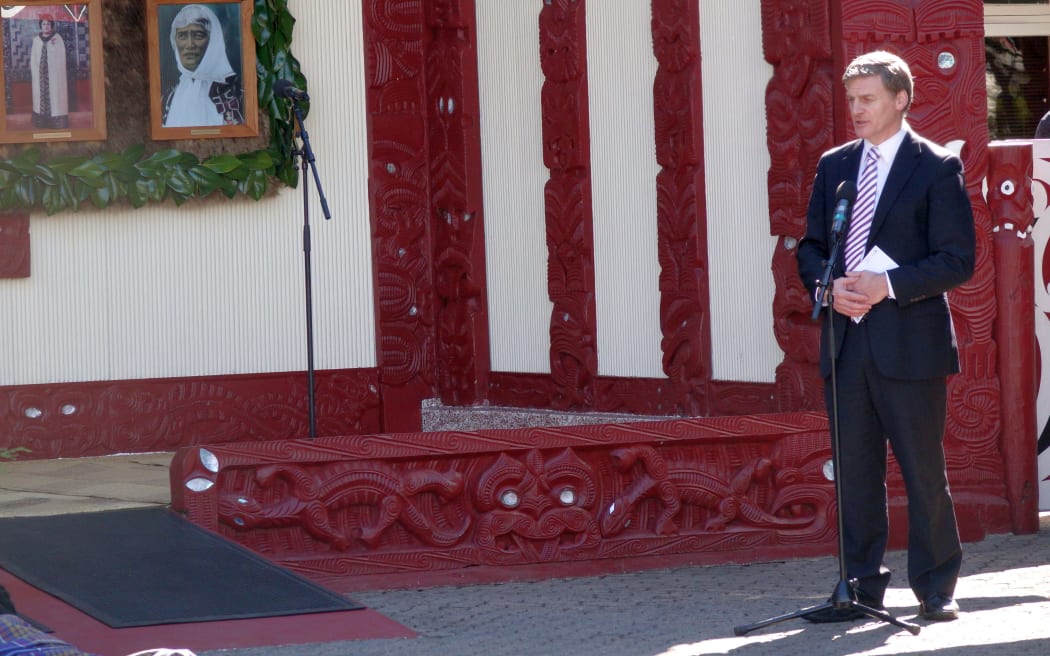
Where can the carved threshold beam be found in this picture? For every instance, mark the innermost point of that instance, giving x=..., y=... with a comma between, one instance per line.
x=386, y=511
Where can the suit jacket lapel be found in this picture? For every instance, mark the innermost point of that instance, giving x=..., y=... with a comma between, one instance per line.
x=850, y=162
x=900, y=172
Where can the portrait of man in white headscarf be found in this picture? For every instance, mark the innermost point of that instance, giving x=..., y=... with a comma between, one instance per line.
x=208, y=90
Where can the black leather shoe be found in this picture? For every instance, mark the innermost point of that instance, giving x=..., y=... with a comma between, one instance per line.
x=939, y=608
x=832, y=614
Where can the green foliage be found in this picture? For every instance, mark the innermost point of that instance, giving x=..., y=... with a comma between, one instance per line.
x=66, y=183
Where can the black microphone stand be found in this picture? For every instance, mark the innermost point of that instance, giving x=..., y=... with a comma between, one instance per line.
x=308, y=162
x=845, y=595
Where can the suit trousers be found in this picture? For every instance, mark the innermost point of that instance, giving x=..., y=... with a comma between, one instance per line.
x=910, y=414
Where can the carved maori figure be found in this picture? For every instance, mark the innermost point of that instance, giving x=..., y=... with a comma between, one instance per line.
x=677, y=484
x=536, y=509
x=311, y=500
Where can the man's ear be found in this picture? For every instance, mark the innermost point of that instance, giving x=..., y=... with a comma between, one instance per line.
x=901, y=100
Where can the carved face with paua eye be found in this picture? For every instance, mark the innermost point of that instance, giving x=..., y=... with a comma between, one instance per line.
x=536, y=509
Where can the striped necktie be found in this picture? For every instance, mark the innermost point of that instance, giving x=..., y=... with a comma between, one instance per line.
x=863, y=211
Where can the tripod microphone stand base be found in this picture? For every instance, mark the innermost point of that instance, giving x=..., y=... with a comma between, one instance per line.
x=844, y=598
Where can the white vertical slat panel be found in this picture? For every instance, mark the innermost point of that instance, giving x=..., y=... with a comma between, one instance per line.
x=213, y=287
x=621, y=70
x=206, y=292
x=49, y=320
x=333, y=62
x=736, y=158
x=510, y=82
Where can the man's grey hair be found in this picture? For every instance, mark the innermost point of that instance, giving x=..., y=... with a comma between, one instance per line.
x=894, y=71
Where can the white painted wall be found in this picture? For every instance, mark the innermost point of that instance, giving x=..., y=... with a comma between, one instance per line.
x=212, y=288
x=621, y=69
x=217, y=288
x=510, y=82
x=737, y=161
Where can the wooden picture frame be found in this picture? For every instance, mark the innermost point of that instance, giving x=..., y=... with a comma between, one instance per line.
x=224, y=103
x=67, y=102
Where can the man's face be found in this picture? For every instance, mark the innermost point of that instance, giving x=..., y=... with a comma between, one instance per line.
x=191, y=42
x=876, y=112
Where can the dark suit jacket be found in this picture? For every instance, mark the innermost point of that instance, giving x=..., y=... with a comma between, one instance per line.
x=925, y=223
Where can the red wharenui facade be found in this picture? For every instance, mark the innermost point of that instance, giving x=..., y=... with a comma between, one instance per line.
x=744, y=483
x=381, y=502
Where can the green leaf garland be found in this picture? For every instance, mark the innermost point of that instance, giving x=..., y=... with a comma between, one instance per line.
x=66, y=183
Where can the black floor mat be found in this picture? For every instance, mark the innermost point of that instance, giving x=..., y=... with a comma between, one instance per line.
x=147, y=566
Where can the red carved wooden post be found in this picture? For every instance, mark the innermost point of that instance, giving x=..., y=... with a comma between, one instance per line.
x=796, y=40
x=453, y=126
x=570, y=238
x=1010, y=200
x=399, y=207
x=14, y=245
x=681, y=215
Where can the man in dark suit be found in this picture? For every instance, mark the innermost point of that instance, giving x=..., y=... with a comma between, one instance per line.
x=894, y=340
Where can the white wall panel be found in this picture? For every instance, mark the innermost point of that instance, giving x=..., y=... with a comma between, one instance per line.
x=510, y=82
x=736, y=158
x=332, y=59
x=211, y=287
x=621, y=70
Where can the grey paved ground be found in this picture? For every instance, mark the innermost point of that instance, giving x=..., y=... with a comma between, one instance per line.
x=689, y=611
x=1005, y=594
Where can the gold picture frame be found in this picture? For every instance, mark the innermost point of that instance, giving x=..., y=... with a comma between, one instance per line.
x=197, y=89
x=53, y=72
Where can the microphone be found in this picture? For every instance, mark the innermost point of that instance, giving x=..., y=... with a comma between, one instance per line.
x=285, y=89
x=844, y=196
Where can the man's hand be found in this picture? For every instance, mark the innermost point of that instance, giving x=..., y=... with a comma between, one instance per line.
x=872, y=285
x=857, y=291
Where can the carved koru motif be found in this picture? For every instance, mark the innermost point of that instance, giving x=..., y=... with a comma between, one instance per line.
x=534, y=509
x=312, y=498
x=677, y=484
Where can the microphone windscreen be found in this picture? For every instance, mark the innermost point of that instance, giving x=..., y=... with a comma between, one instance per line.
x=281, y=87
x=847, y=190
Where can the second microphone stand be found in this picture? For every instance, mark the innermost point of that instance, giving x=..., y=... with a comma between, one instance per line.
x=844, y=598
x=308, y=162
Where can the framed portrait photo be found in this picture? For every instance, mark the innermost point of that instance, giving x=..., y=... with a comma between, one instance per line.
x=53, y=75
x=202, y=78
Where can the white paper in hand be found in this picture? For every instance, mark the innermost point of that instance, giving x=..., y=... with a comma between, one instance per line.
x=876, y=261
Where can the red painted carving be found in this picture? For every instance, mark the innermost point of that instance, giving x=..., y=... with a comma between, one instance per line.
x=455, y=195
x=93, y=419
x=943, y=44
x=796, y=37
x=520, y=390
x=742, y=398
x=680, y=210
x=1010, y=201
x=796, y=28
x=369, y=504
x=718, y=500
x=536, y=508
x=638, y=396
x=942, y=41
x=570, y=242
x=398, y=183
x=365, y=511
x=14, y=245
x=345, y=503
